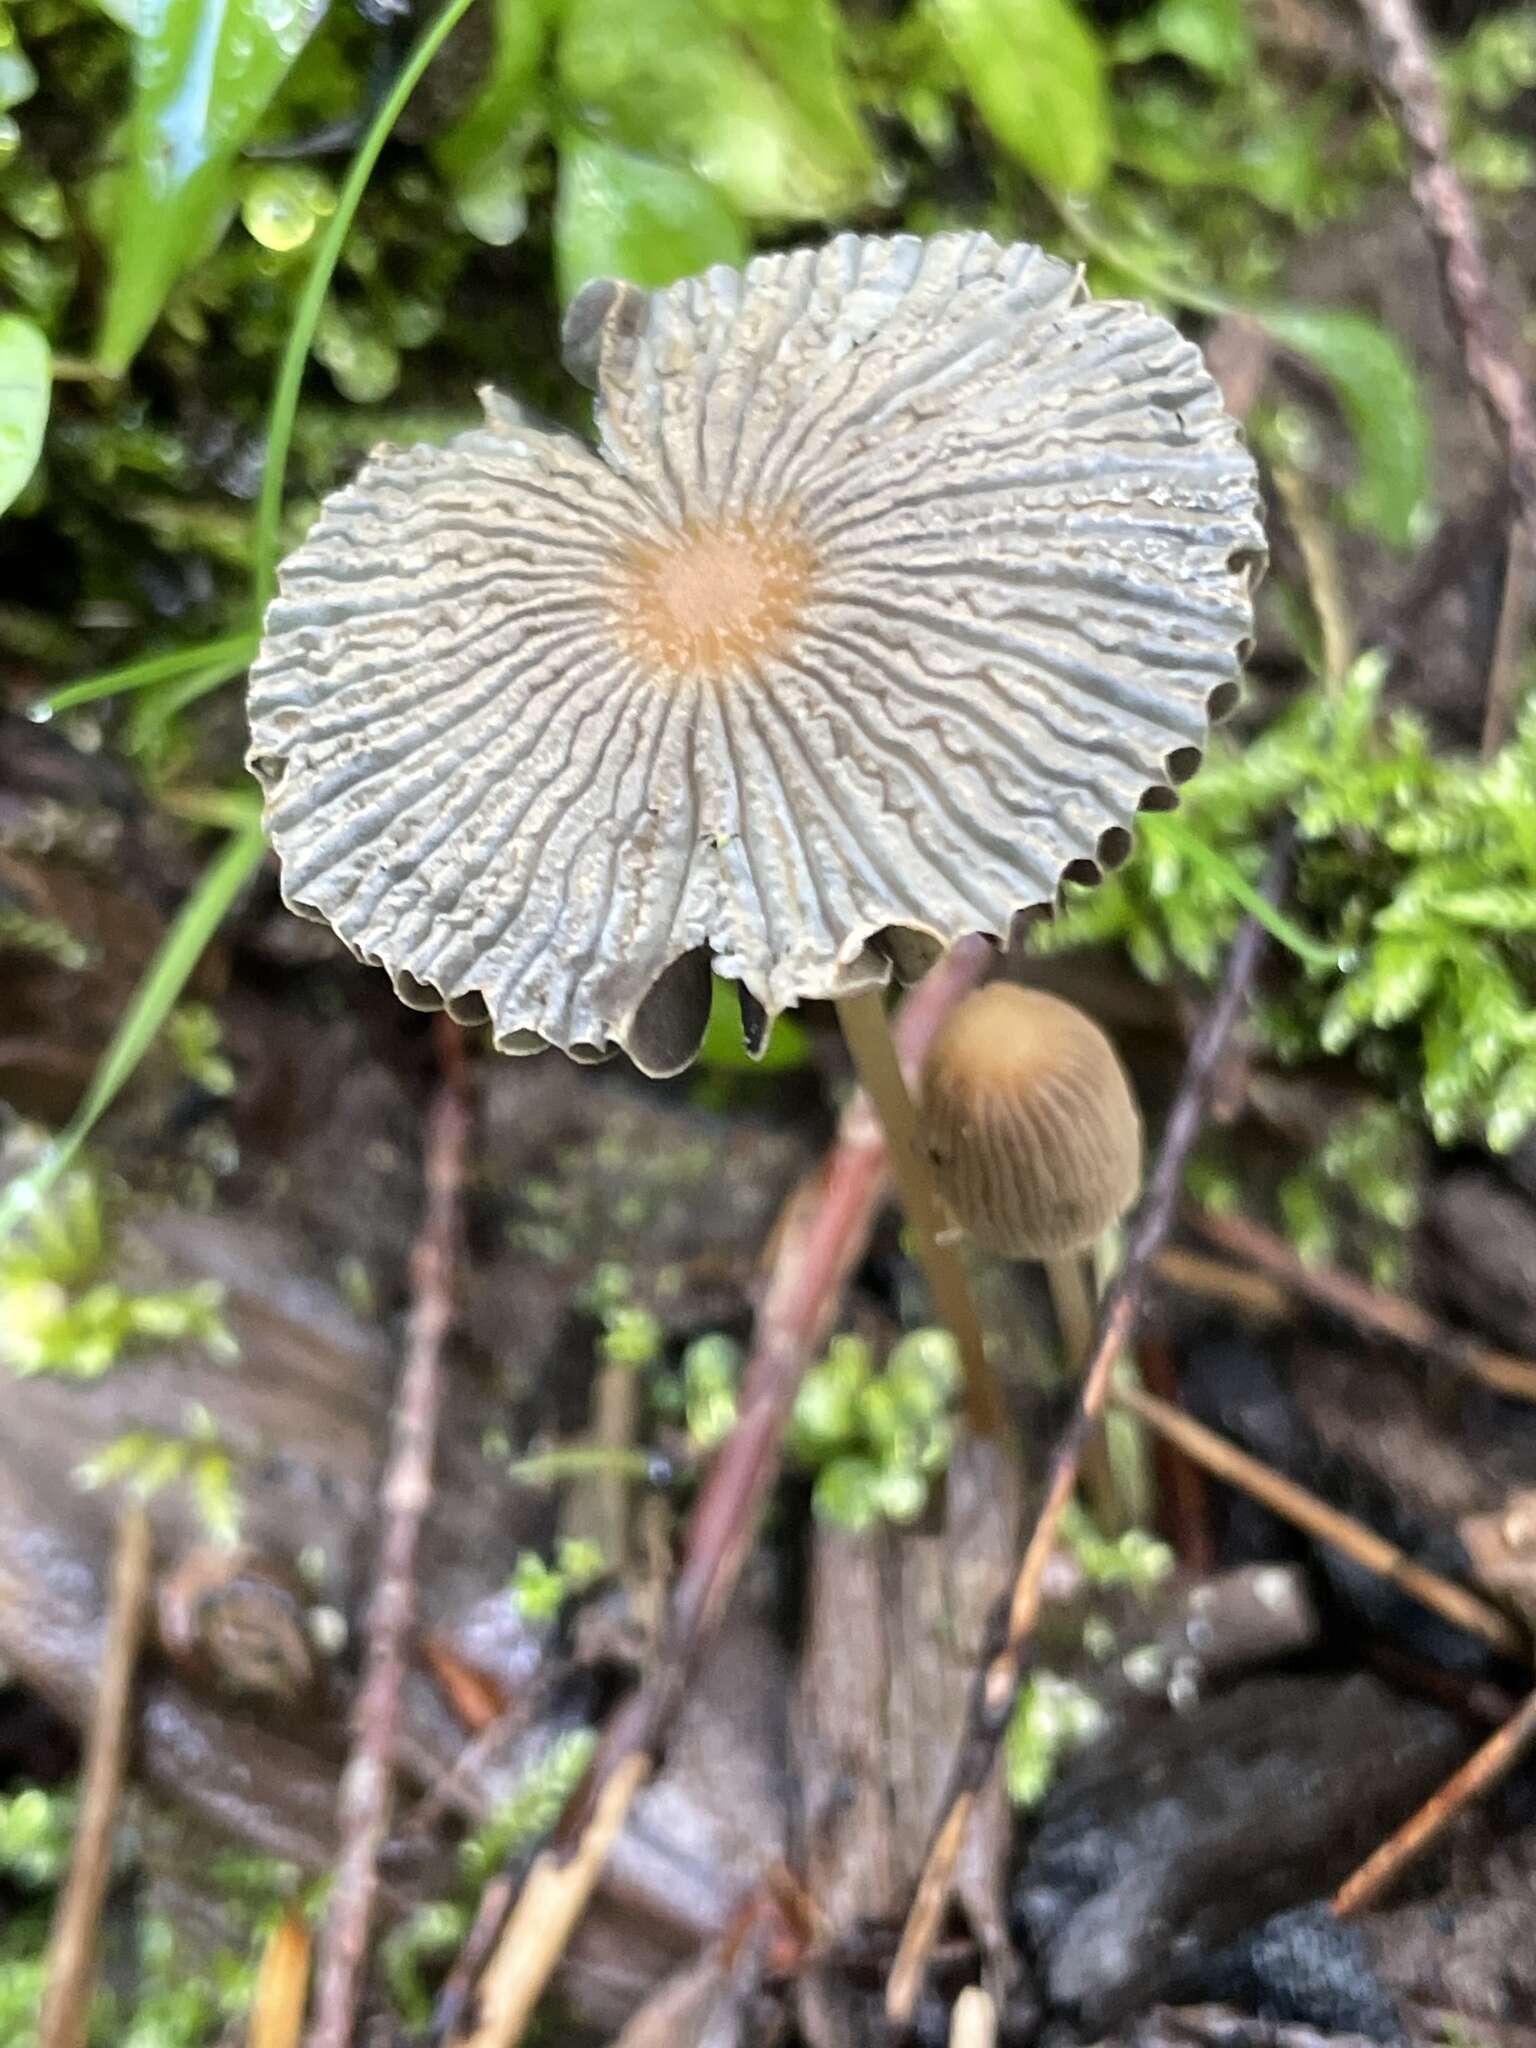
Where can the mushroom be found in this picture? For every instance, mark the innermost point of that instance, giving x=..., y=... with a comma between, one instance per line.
x=1029, y=1124
x=901, y=576
x=1030, y=1128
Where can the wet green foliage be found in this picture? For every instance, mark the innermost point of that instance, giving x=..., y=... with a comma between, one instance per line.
x=414, y=1953
x=876, y=1440
x=158, y=1998
x=541, y=1589
x=1416, y=869
x=144, y=1463
x=60, y=1312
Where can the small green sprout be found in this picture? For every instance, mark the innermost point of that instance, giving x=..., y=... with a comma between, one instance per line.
x=876, y=1440
x=1053, y=1719
x=57, y=1315
x=541, y=1589
x=195, y=1035
x=432, y=1934
x=1137, y=1561
x=37, y=1828
x=711, y=1368
x=145, y=1463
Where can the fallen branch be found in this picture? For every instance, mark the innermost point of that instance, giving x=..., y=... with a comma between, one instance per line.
x=821, y=1242
x=1482, y=1770
x=70, y=1972
x=367, y=1784
x=1365, y=1308
x=1405, y=76
x=997, y=1684
x=1325, y=1524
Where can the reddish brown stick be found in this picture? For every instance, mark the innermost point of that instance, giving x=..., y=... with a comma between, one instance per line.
x=997, y=1684
x=1405, y=74
x=71, y=1964
x=822, y=1243
x=1479, y=1774
x=367, y=1785
x=1181, y=1491
x=1367, y=1308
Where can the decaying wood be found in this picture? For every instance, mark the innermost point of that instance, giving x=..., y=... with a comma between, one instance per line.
x=1173, y=1838
x=897, y=1620
x=70, y=1965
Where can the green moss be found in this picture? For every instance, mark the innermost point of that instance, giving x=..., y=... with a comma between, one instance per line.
x=1416, y=870
x=59, y=1314
x=876, y=1440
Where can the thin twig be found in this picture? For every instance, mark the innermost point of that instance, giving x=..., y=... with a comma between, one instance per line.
x=70, y=1974
x=1405, y=74
x=973, y=2023
x=367, y=1785
x=1326, y=1524
x=553, y=1900
x=824, y=1238
x=282, y=1985
x=1365, y=1308
x=1511, y=642
x=1482, y=1770
x=997, y=1684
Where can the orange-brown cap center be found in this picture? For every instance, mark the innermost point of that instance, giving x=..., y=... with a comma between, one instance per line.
x=710, y=597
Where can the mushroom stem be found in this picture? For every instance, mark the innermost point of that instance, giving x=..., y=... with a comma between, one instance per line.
x=867, y=1035
x=1073, y=1296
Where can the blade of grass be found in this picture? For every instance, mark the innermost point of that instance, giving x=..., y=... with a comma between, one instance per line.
x=285, y=393
x=164, y=979
x=1237, y=885
x=204, y=910
x=153, y=714
x=230, y=655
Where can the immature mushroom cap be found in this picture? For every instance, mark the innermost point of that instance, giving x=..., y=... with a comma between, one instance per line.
x=1029, y=1124
x=902, y=576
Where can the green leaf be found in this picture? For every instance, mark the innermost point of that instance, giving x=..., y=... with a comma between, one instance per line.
x=483, y=153
x=724, y=1050
x=754, y=95
x=306, y=316
x=1212, y=36
x=1513, y=1108
x=26, y=373
x=18, y=78
x=1036, y=70
x=1378, y=393
x=621, y=215
x=204, y=72
x=149, y=1006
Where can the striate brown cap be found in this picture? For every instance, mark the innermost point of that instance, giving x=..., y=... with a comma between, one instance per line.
x=902, y=576
x=1029, y=1123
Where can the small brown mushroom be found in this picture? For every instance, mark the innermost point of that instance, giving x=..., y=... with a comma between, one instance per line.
x=1029, y=1124
x=1030, y=1127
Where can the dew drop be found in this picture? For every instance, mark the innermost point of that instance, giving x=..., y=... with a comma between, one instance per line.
x=282, y=207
